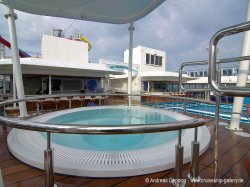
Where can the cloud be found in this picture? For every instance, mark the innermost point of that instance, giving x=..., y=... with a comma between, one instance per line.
x=182, y=28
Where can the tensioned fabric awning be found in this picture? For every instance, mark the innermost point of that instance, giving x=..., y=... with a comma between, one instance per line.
x=107, y=11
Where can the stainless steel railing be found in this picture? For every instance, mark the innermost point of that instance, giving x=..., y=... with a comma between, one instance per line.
x=232, y=91
x=114, y=129
x=205, y=62
x=216, y=81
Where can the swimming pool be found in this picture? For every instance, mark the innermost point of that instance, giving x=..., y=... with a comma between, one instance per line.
x=105, y=155
x=111, y=116
x=202, y=109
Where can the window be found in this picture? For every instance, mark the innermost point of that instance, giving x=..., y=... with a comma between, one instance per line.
x=147, y=58
x=201, y=74
x=230, y=72
x=205, y=73
x=160, y=61
x=56, y=84
x=157, y=60
x=224, y=72
x=152, y=59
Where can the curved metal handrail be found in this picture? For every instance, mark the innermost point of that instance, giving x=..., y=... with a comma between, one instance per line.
x=205, y=62
x=233, y=91
x=86, y=129
x=180, y=76
x=107, y=129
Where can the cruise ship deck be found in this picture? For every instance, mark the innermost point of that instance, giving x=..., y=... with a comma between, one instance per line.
x=233, y=165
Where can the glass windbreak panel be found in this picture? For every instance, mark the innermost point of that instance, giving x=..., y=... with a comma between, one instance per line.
x=147, y=58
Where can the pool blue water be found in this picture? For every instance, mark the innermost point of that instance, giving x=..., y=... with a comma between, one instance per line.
x=203, y=109
x=113, y=117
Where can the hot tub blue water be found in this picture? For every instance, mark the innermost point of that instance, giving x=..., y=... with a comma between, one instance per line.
x=115, y=116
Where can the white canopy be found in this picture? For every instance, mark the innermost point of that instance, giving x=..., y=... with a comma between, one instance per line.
x=108, y=11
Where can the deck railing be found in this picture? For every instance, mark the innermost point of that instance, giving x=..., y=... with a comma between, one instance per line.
x=114, y=129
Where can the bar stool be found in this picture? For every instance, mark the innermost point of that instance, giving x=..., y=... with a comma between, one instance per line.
x=82, y=98
x=70, y=101
x=57, y=99
x=41, y=102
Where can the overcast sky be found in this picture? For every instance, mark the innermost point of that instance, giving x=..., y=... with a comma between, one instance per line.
x=181, y=28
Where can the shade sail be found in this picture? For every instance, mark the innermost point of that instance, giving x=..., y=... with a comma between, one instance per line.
x=107, y=11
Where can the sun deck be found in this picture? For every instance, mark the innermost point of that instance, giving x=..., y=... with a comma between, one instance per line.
x=233, y=153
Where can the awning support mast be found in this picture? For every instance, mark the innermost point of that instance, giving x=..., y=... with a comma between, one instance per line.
x=242, y=79
x=131, y=30
x=11, y=16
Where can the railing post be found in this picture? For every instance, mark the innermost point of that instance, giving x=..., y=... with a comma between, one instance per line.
x=48, y=164
x=179, y=181
x=217, y=113
x=185, y=106
x=70, y=101
x=1, y=179
x=37, y=107
x=100, y=101
x=193, y=176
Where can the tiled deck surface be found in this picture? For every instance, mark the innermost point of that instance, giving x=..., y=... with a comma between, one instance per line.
x=233, y=162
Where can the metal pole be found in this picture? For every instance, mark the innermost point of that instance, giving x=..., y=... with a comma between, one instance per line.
x=48, y=164
x=4, y=84
x=217, y=104
x=14, y=88
x=193, y=176
x=148, y=86
x=70, y=103
x=50, y=87
x=131, y=30
x=217, y=113
x=185, y=106
x=1, y=179
x=179, y=181
x=37, y=107
x=11, y=16
x=242, y=79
